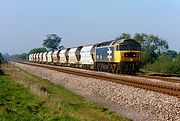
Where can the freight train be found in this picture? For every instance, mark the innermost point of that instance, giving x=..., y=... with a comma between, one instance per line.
x=116, y=56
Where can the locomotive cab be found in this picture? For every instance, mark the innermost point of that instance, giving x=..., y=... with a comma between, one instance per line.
x=127, y=53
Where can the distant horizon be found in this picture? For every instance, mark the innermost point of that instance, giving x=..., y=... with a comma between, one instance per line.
x=24, y=24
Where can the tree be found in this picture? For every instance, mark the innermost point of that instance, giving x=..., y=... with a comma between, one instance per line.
x=124, y=36
x=178, y=56
x=23, y=56
x=152, y=42
x=37, y=50
x=1, y=58
x=152, y=46
x=52, y=42
x=171, y=53
x=1, y=61
x=5, y=56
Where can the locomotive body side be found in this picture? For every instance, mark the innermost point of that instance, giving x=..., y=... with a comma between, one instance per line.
x=105, y=54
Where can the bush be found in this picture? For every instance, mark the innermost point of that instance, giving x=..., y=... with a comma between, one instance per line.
x=1, y=59
x=166, y=65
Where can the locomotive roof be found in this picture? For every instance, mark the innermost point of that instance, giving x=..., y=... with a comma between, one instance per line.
x=121, y=41
x=129, y=41
x=107, y=43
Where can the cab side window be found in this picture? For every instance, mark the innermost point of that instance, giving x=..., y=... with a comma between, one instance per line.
x=117, y=47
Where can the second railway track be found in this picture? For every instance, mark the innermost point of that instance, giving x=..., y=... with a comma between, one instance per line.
x=161, y=88
x=174, y=80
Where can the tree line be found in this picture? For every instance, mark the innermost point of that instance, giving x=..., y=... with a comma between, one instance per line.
x=1, y=59
x=51, y=42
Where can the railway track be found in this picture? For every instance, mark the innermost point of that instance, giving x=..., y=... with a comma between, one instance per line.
x=162, y=78
x=161, y=88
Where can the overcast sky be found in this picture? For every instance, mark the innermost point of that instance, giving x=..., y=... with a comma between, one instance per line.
x=25, y=23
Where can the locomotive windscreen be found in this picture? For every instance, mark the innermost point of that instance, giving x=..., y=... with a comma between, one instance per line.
x=129, y=47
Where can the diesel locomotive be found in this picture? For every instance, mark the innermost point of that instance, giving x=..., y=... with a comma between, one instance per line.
x=116, y=56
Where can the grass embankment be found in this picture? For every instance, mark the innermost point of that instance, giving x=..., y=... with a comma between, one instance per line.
x=155, y=73
x=27, y=97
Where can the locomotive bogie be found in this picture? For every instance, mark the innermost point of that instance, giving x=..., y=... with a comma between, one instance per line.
x=122, y=67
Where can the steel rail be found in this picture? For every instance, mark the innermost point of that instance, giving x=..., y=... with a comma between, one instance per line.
x=161, y=78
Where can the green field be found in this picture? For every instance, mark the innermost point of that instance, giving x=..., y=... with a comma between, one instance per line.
x=24, y=96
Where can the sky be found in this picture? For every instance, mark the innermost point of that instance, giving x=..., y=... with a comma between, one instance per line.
x=24, y=24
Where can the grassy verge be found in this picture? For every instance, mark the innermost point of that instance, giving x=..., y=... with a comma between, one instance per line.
x=27, y=97
x=153, y=73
